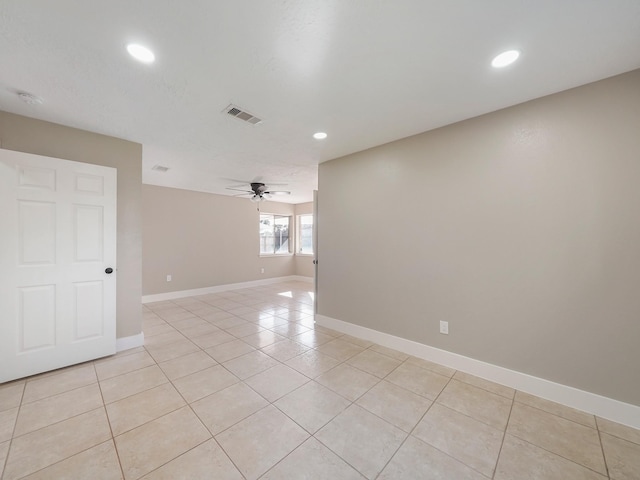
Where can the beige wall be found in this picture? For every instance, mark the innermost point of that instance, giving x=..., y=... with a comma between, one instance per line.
x=304, y=263
x=521, y=228
x=204, y=240
x=43, y=138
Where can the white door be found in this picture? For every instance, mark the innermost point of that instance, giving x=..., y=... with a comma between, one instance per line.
x=57, y=241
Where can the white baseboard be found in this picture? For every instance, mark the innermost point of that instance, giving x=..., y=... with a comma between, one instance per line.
x=126, y=343
x=159, y=297
x=604, y=407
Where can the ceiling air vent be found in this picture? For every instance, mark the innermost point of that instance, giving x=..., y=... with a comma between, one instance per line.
x=242, y=115
x=159, y=168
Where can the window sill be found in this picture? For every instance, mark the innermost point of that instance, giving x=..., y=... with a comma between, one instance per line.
x=275, y=255
x=304, y=254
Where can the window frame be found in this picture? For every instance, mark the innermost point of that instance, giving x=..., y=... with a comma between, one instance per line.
x=298, y=232
x=274, y=253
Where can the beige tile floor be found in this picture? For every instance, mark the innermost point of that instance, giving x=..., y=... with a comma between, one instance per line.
x=241, y=385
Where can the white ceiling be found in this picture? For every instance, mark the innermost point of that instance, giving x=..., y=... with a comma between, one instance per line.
x=365, y=71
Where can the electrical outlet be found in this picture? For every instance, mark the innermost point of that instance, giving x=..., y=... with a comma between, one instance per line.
x=168, y=278
x=444, y=327
x=262, y=270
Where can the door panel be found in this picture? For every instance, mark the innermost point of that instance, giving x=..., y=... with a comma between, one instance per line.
x=37, y=234
x=88, y=233
x=89, y=184
x=36, y=318
x=88, y=315
x=57, y=304
x=44, y=178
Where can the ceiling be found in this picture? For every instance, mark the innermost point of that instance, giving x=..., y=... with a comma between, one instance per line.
x=366, y=72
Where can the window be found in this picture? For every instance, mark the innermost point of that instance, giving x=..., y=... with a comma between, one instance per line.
x=305, y=235
x=274, y=234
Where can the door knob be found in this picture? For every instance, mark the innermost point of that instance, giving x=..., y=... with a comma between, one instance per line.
x=108, y=270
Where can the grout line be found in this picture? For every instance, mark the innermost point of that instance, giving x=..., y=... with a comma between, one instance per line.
x=504, y=435
x=189, y=405
x=336, y=453
x=604, y=457
x=354, y=402
x=102, y=407
x=227, y=455
x=109, y=440
x=433, y=446
x=239, y=421
x=6, y=460
x=296, y=422
x=557, y=455
x=140, y=391
x=617, y=435
x=414, y=427
x=58, y=371
x=213, y=437
x=512, y=397
x=14, y=436
x=127, y=372
x=287, y=455
x=106, y=412
x=560, y=416
x=175, y=458
x=269, y=403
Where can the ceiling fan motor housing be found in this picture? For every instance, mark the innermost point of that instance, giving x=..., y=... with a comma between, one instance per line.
x=258, y=188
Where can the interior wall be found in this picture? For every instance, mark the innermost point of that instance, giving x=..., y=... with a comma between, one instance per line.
x=52, y=140
x=521, y=228
x=304, y=263
x=204, y=240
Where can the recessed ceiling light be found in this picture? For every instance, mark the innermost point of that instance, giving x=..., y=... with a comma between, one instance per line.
x=141, y=53
x=320, y=135
x=505, y=58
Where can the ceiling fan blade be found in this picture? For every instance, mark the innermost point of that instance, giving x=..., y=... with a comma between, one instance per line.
x=243, y=194
x=239, y=190
x=235, y=181
x=278, y=192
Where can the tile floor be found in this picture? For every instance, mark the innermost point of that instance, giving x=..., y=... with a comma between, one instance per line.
x=241, y=385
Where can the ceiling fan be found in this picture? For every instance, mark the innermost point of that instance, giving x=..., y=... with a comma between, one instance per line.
x=259, y=192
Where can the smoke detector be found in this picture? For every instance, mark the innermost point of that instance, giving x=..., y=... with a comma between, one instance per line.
x=29, y=99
